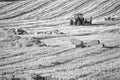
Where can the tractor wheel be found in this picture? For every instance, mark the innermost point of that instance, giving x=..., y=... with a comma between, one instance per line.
x=90, y=20
x=78, y=23
x=75, y=23
x=71, y=22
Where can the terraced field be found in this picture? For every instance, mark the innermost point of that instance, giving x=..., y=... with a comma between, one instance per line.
x=60, y=59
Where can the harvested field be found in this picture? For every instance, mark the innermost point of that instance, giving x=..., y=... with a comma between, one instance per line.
x=44, y=47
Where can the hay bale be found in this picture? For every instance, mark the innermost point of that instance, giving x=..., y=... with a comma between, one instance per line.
x=26, y=42
x=48, y=32
x=92, y=43
x=110, y=46
x=57, y=32
x=20, y=31
x=37, y=42
x=76, y=41
x=41, y=32
x=37, y=77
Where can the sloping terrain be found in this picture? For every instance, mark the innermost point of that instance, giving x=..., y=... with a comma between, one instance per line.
x=60, y=59
x=57, y=9
x=46, y=49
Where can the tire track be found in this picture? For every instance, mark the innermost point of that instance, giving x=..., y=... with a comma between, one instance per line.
x=48, y=13
x=69, y=11
x=30, y=57
x=15, y=8
x=77, y=58
x=6, y=5
x=60, y=68
x=25, y=12
x=97, y=7
x=115, y=9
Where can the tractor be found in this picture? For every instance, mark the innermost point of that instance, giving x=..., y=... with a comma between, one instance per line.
x=79, y=19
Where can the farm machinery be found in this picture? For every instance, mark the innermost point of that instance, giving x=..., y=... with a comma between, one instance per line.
x=79, y=19
x=112, y=18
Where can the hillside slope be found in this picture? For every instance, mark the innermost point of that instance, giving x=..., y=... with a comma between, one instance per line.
x=57, y=9
x=35, y=38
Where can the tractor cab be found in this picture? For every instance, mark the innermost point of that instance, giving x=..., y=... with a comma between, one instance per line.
x=78, y=15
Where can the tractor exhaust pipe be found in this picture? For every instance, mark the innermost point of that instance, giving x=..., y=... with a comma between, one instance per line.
x=91, y=20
